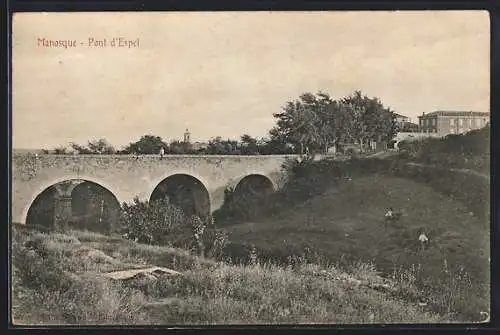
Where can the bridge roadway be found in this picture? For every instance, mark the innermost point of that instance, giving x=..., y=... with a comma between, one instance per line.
x=205, y=177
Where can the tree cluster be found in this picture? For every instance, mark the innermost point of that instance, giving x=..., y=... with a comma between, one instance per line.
x=100, y=146
x=312, y=123
x=317, y=122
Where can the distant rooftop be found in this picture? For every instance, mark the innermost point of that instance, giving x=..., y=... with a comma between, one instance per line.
x=399, y=115
x=456, y=113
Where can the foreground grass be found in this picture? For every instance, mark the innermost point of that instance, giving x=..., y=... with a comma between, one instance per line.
x=347, y=223
x=54, y=284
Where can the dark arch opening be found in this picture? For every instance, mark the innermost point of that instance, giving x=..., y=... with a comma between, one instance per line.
x=254, y=185
x=42, y=209
x=186, y=192
x=247, y=201
x=93, y=207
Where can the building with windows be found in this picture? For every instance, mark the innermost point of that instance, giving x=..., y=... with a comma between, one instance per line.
x=404, y=123
x=443, y=123
x=401, y=119
x=408, y=127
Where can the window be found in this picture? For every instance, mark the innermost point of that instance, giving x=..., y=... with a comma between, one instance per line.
x=452, y=122
x=452, y=130
x=460, y=122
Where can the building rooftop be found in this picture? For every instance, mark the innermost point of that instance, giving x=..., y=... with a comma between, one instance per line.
x=399, y=115
x=456, y=113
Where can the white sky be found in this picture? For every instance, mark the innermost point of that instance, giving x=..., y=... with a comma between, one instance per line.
x=226, y=73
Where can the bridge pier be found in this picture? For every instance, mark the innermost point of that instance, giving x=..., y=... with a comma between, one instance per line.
x=62, y=211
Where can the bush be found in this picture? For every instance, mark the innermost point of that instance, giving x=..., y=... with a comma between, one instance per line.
x=470, y=150
x=163, y=223
x=153, y=223
x=308, y=178
x=240, y=207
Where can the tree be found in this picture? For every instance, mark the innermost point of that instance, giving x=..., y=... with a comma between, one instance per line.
x=275, y=146
x=60, y=150
x=101, y=146
x=147, y=144
x=317, y=121
x=176, y=147
x=369, y=119
x=326, y=111
x=298, y=123
x=249, y=145
x=80, y=149
x=218, y=146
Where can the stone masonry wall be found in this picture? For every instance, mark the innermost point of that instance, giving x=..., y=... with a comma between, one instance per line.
x=128, y=176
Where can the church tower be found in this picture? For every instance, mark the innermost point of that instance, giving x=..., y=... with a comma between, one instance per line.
x=187, y=136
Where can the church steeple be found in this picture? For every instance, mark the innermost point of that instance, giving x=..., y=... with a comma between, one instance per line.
x=187, y=136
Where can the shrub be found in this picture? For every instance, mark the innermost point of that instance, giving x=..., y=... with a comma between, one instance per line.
x=240, y=207
x=153, y=223
x=161, y=222
x=470, y=150
x=307, y=178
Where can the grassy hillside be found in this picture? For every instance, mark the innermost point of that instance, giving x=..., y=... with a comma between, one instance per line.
x=346, y=223
x=464, y=151
x=58, y=279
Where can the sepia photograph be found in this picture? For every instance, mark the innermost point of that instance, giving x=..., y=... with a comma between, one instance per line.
x=250, y=168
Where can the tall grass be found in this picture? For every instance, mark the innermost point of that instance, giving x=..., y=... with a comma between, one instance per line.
x=46, y=290
x=462, y=289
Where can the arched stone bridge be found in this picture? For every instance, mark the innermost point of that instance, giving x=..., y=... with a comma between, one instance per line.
x=204, y=178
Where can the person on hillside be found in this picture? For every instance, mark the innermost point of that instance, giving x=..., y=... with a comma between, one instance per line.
x=423, y=240
x=392, y=215
x=389, y=215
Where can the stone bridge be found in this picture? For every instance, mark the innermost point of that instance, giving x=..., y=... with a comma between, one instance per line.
x=123, y=177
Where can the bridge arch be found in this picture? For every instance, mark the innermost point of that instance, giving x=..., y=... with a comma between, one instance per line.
x=245, y=200
x=76, y=201
x=255, y=184
x=37, y=191
x=186, y=191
